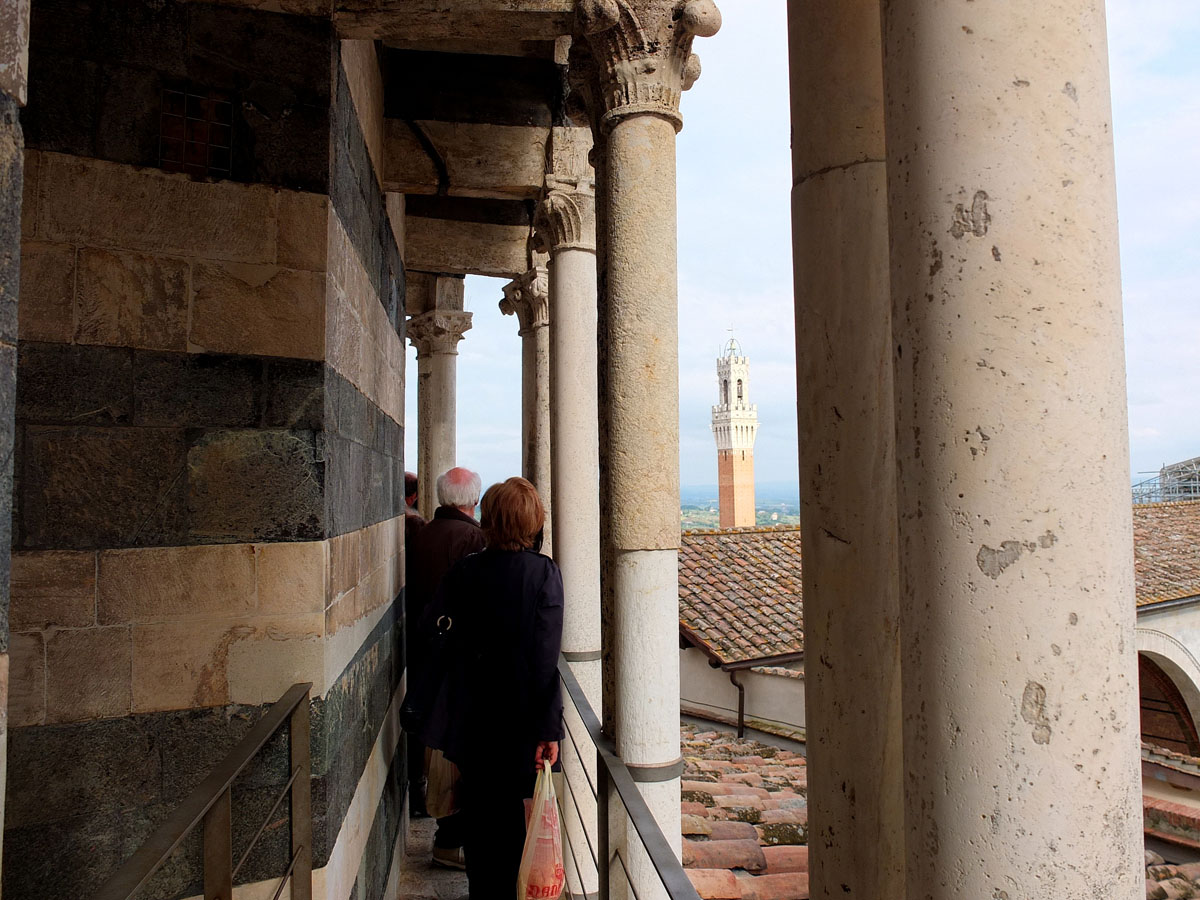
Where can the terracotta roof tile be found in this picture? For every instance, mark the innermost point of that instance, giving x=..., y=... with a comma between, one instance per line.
x=1166, y=551
x=739, y=592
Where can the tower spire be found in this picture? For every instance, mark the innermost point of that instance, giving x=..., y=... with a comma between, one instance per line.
x=735, y=426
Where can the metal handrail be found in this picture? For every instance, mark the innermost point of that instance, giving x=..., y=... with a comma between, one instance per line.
x=611, y=772
x=209, y=805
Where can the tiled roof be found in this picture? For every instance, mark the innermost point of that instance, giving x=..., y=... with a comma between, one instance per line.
x=739, y=592
x=745, y=818
x=1166, y=551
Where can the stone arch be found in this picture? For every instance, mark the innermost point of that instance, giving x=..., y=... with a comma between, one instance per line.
x=1170, y=657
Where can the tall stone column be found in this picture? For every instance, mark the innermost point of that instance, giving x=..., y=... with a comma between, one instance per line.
x=528, y=298
x=642, y=51
x=1016, y=590
x=847, y=464
x=436, y=334
x=566, y=226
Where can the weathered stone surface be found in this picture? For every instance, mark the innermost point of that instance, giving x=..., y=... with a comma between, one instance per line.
x=132, y=300
x=260, y=310
x=465, y=248
x=53, y=589
x=72, y=770
x=196, y=390
x=47, y=291
x=303, y=220
x=27, y=680
x=163, y=584
x=14, y=48
x=151, y=211
x=295, y=394
x=65, y=384
x=255, y=485
x=87, y=674
x=292, y=577
x=102, y=487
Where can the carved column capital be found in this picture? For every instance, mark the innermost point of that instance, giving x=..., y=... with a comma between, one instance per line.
x=643, y=53
x=566, y=217
x=438, y=331
x=528, y=298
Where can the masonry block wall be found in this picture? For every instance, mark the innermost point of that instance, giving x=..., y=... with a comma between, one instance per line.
x=209, y=435
x=735, y=484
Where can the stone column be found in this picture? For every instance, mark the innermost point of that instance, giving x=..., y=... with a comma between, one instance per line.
x=642, y=51
x=566, y=223
x=436, y=334
x=14, y=65
x=1016, y=583
x=847, y=465
x=528, y=298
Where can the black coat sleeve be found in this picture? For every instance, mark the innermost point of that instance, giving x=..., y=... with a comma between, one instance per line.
x=546, y=646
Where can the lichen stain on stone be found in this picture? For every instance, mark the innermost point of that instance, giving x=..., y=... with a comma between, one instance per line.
x=1070, y=91
x=1033, y=711
x=992, y=562
x=975, y=220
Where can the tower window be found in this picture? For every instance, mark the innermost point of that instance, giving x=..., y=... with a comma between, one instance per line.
x=739, y=389
x=725, y=392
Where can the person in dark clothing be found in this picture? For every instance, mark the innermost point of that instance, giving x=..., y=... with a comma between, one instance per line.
x=504, y=712
x=413, y=523
x=445, y=539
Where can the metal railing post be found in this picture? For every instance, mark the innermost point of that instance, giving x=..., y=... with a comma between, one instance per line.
x=218, y=849
x=301, y=797
x=603, y=858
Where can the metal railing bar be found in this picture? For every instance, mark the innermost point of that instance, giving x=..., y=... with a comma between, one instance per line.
x=267, y=821
x=579, y=755
x=139, y=868
x=628, y=877
x=662, y=857
x=582, y=820
x=288, y=874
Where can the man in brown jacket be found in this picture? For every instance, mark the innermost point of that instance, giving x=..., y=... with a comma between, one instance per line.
x=450, y=535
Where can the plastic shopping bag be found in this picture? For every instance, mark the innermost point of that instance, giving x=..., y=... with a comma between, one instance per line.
x=441, y=790
x=541, y=875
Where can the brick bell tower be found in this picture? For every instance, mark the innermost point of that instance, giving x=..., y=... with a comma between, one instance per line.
x=735, y=425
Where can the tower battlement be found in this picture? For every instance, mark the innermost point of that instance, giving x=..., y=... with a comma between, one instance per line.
x=735, y=427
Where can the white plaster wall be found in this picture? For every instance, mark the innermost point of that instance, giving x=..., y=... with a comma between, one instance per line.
x=771, y=698
x=1171, y=638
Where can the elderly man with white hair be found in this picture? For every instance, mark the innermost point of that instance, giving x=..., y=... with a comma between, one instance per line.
x=450, y=535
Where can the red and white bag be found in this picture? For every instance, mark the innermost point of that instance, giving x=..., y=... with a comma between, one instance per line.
x=541, y=875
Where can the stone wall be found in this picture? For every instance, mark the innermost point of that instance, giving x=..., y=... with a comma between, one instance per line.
x=209, y=445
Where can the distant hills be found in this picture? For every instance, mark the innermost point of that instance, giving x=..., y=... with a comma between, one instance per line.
x=766, y=494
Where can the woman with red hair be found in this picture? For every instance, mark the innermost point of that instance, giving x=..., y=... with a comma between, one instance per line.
x=504, y=608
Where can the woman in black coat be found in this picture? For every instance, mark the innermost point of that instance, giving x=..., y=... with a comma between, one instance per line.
x=503, y=704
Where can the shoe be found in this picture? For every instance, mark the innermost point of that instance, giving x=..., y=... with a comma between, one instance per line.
x=450, y=858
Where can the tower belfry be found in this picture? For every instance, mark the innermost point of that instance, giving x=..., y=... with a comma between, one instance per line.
x=735, y=425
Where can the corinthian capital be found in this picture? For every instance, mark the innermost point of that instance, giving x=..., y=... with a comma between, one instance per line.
x=438, y=331
x=643, y=52
x=528, y=298
x=566, y=217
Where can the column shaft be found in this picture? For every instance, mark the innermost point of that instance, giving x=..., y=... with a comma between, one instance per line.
x=847, y=464
x=437, y=422
x=1020, y=701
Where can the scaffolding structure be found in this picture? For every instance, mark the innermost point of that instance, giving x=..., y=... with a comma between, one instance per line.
x=1178, y=481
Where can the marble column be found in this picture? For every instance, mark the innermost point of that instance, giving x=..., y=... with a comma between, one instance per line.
x=642, y=51
x=436, y=334
x=566, y=226
x=1016, y=579
x=528, y=298
x=847, y=464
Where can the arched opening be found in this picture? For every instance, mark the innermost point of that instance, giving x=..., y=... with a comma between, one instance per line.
x=725, y=391
x=739, y=389
x=1165, y=719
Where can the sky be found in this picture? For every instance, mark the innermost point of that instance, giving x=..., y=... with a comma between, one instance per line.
x=734, y=177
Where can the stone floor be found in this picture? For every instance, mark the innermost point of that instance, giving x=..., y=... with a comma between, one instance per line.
x=421, y=880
